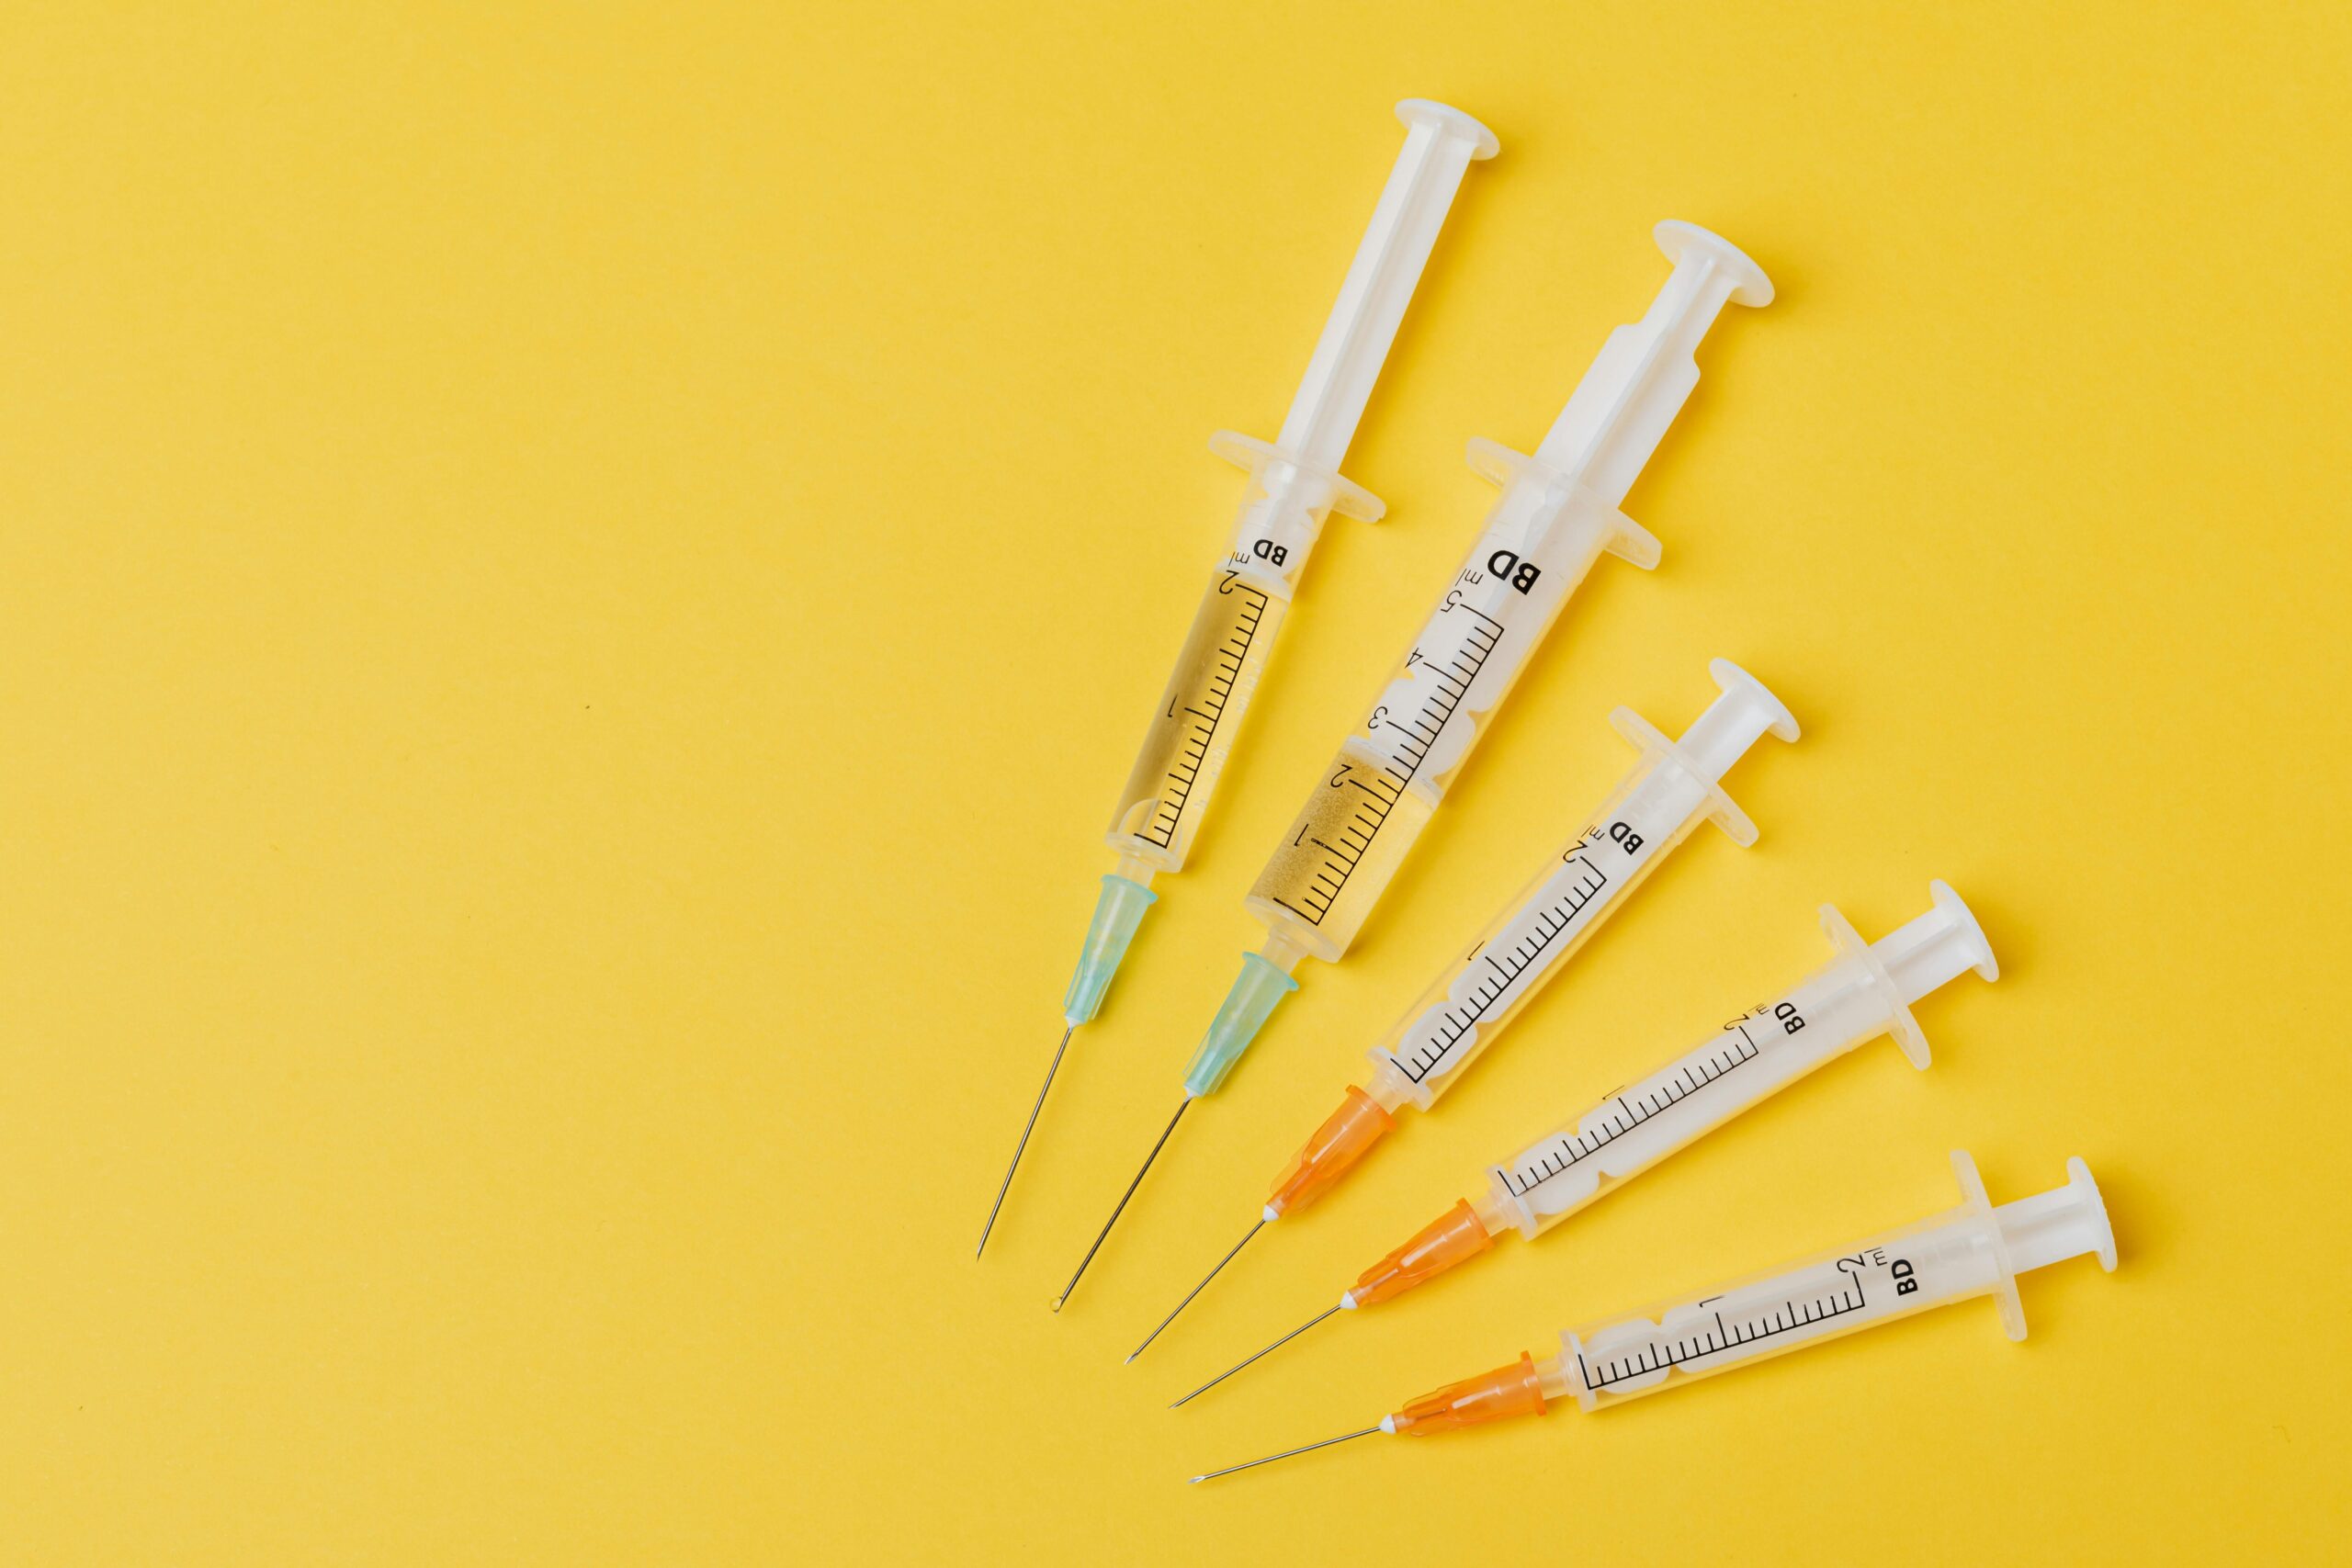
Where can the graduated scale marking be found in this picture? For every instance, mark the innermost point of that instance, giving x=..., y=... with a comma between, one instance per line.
x=1564, y=1151
x=1206, y=715
x=1512, y=957
x=1783, y=1318
x=1418, y=734
x=1555, y=919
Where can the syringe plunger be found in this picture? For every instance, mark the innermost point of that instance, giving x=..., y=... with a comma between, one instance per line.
x=1638, y=382
x=1738, y=719
x=1938, y=946
x=1439, y=144
x=2065, y=1222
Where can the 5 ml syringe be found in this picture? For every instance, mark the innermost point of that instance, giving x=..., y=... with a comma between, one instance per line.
x=1972, y=1250
x=1294, y=484
x=1671, y=791
x=1557, y=513
x=1865, y=991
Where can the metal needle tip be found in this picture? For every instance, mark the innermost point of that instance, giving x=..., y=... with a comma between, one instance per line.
x=1251, y=1464
x=1212, y=1274
x=1022, y=1147
x=1121, y=1209
x=1238, y=1365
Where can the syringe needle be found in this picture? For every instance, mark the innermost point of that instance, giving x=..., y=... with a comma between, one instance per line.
x=1238, y=1365
x=1251, y=1464
x=1022, y=1147
x=1212, y=1274
x=1121, y=1209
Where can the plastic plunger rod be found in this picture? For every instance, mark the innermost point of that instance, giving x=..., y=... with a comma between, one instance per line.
x=1441, y=144
x=1644, y=372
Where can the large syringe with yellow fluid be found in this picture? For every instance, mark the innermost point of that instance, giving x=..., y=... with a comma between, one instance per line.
x=1557, y=514
x=1294, y=484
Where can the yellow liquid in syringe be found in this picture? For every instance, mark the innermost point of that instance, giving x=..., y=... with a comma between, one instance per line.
x=1337, y=860
x=1175, y=774
x=1357, y=829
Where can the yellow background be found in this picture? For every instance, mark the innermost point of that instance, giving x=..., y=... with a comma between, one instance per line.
x=577, y=585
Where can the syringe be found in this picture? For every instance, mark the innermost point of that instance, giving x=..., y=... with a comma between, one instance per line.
x=1973, y=1250
x=1671, y=791
x=1865, y=991
x=1558, y=511
x=1294, y=484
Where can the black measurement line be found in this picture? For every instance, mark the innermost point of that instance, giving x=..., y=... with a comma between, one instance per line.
x=1550, y=923
x=1568, y=1152
x=1450, y=683
x=1786, y=1318
x=1202, y=720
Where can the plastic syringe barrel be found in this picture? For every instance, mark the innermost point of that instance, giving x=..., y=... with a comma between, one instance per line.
x=1973, y=1250
x=1865, y=991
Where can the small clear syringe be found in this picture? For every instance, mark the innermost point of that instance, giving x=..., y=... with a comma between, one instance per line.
x=1671, y=790
x=1865, y=991
x=1556, y=516
x=1294, y=484
x=1972, y=1250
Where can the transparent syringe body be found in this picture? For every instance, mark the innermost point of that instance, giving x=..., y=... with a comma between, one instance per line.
x=1168, y=790
x=1368, y=808
x=1946, y=1257
x=1481, y=991
x=1756, y=1054
x=1191, y=732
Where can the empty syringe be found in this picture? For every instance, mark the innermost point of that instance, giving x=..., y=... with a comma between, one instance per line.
x=1972, y=1250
